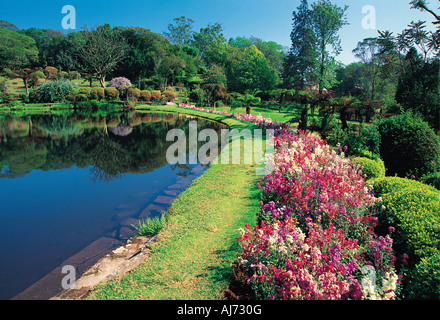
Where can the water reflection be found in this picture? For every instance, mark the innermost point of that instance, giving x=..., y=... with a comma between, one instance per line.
x=111, y=145
x=72, y=185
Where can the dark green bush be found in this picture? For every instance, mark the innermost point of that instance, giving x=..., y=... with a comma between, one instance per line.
x=359, y=142
x=415, y=215
x=432, y=179
x=54, y=91
x=372, y=168
x=409, y=146
x=424, y=279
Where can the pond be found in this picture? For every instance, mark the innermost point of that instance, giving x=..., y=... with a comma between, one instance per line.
x=72, y=185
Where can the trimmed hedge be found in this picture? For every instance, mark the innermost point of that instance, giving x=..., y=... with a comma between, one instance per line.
x=111, y=93
x=386, y=185
x=145, y=95
x=416, y=212
x=413, y=209
x=408, y=146
x=133, y=94
x=424, y=280
x=372, y=168
x=97, y=93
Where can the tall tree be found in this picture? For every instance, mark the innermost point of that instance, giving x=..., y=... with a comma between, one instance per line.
x=103, y=50
x=181, y=31
x=327, y=20
x=208, y=36
x=299, y=65
x=16, y=50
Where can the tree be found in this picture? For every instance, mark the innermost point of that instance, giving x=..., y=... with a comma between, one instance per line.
x=26, y=75
x=299, y=65
x=435, y=37
x=247, y=100
x=327, y=19
x=247, y=69
x=103, y=50
x=273, y=51
x=207, y=36
x=7, y=25
x=16, y=50
x=367, y=51
x=181, y=31
x=49, y=43
x=419, y=87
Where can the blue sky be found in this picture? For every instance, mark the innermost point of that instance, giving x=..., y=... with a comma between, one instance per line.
x=270, y=20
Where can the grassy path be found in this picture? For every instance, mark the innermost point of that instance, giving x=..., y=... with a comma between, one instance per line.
x=193, y=255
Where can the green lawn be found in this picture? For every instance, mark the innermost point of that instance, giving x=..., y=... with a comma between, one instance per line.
x=192, y=258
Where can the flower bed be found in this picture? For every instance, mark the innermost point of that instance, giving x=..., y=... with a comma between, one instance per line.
x=315, y=234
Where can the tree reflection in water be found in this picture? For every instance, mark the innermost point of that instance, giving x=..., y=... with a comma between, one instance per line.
x=110, y=145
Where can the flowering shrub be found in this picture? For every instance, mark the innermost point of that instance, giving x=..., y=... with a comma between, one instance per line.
x=120, y=83
x=315, y=238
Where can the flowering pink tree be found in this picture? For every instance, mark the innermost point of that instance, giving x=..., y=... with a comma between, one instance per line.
x=120, y=83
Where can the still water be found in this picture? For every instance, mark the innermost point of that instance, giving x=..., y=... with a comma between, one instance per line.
x=72, y=185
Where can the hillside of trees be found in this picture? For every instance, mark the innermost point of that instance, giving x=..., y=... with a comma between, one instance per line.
x=394, y=72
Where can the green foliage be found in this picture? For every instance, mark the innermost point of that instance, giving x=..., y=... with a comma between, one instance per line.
x=361, y=142
x=54, y=91
x=181, y=32
x=97, y=93
x=424, y=279
x=145, y=95
x=386, y=185
x=372, y=168
x=16, y=50
x=133, y=94
x=111, y=93
x=84, y=90
x=419, y=87
x=151, y=227
x=432, y=179
x=409, y=146
x=415, y=214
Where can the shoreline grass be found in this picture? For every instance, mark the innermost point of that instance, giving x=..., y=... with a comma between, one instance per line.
x=192, y=259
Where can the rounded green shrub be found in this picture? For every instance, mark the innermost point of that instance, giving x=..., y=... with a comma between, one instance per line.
x=394, y=184
x=145, y=95
x=372, y=168
x=359, y=142
x=84, y=90
x=97, y=93
x=54, y=91
x=424, y=279
x=111, y=93
x=415, y=215
x=433, y=179
x=133, y=94
x=408, y=145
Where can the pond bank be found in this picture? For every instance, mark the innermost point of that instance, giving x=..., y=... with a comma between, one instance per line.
x=192, y=256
